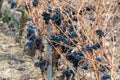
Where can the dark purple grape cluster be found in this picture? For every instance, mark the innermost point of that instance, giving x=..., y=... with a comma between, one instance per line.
x=56, y=38
x=101, y=69
x=98, y=58
x=49, y=8
x=46, y=17
x=31, y=33
x=73, y=34
x=71, y=28
x=106, y=76
x=95, y=47
x=85, y=66
x=64, y=26
x=35, y=3
x=57, y=18
x=100, y=33
x=67, y=73
x=68, y=42
x=43, y=65
x=30, y=44
x=13, y=4
x=34, y=41
x=71, y=14
x=75, y=57
x=74, y=18
x=89, y=48
x=37, y=42
x=64, y=49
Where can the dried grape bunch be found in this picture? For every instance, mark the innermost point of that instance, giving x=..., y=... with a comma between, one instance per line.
x=30, y=44
x=85, y=66
x=35, y=3
x=42, y=64
x=34, y=41
x=98, y=58
x=102, y=69
x=100, y=33
x=67, y=73
x=46, y=17
x=13, y=4
x=76, y=35
x=31, y=33
x=75, y=56
x=106, y=76
x=57, y=18
x=75, y=45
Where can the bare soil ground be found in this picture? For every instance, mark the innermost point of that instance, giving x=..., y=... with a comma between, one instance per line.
x=14, y=64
